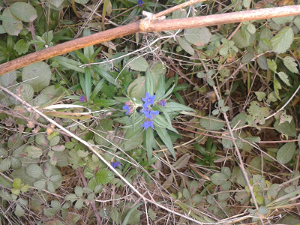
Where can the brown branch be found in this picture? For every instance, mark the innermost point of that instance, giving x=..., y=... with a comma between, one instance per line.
x=146, y=26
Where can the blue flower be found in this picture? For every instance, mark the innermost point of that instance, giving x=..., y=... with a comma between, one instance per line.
x=163, y=102
x=140, y=3
x=127, y=108
x=149, y=100
x=115, y=164
x=147, y=124
x=82, y=98
x=150, y=115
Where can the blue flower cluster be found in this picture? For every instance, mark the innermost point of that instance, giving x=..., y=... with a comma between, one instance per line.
x=115, y=164
x=140, y=3
x=147, y=109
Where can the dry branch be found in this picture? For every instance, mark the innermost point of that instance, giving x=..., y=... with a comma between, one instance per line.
x=148, y=26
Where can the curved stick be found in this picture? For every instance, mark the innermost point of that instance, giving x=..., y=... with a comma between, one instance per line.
x=148, y=25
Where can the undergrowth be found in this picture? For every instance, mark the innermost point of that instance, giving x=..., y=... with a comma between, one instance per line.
x=193, y=126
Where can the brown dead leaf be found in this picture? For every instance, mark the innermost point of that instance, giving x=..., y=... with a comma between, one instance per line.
x=30, y=124
x=49, y=130
x=36, y=130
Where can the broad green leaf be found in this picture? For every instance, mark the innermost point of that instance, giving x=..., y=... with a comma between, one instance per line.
x=241, y=41
x=164, y=136
x=78, y=191
x=40, y=184
x=180, y=13
x=104, y=176
x=161, y=122
x=246, y=3
x=218, y=178
x=149, y=142
x=283, y=40
x=55, y=204
x=12, y=27
x=273, y=190
x=251, y=28
x=8, y=79
x=50, y=212
x=115, y=215
x=226, y=171
x=103, y=128
x=137, y=88
x=262, y=62
x=198, y=36
x=33, y=152
x=286, y=128
x=212, y=123
x=286, y=153
x=19, y=211
x=71, y=197
x=272, y=65
x=21, y=47
x=38, y=75
x=160, y=88
x=25, y=91
x=82, y=1
x=283, y=20
x=58, y=148
x=138, y=63
x=297, y=22
x=260, y=95
x=50, y=187
x=284, y=78
x=290, y=63
x=15, y=163
x=185, y=45
x=47, y=169
x=15, y=141
x=186, y=193
x=23, y=11
x=33, y=170
x=5, y=164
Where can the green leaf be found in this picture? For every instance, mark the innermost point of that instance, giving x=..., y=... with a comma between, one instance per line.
x=97, y=89
x=149, y=82
x=15, y=141
x=137, y=88
x=273, y=190
x=283, y=40
x=47, y=169
x=164, y=136
x=71, y=197
x=139, y=64
x=283, y=20
x=8, y=79
x=88, y=83
x=185, y=45
x=23, y=11
x=25, y=91
x=260, y=95
x=284, y=78
x=19, y=211
x=133, y=216
x=277, y=87
x=50, y=212
x=251, y=28
x=149, y=142
x=115, y=215
x=286, y=153
x=211, y=123
x=104, y=176
x=69, y=63
x=33, y=152
x=262, y=62
x=218, y=178
x=161, y=122
x=17, y=183
x=197, y=36
x=272, y=65
x=12, y=26
x=34, y=171
x=50, y=187
x=15, y=163
x=38, y=75
x=78, y=191
x=175, y=107
x=246, y=3
x=105, y=75
x=21, y=47
x=290, y=63
x=297, y=22
x=40, y=184
x=286, y=128
x=5, y=164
